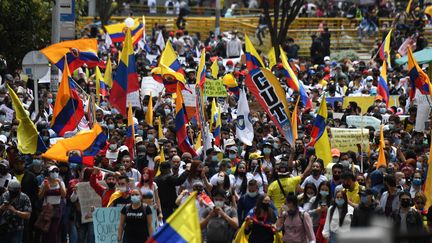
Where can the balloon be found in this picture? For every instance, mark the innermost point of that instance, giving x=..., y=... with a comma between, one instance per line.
x=129, y=22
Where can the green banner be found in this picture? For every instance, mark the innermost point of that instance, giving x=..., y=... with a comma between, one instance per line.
x=215, y=88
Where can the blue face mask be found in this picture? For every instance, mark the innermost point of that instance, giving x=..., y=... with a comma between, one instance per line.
x=140, y=132
x=417, y=182
x=340, y=202
x=214, y=158
x=135, y=199
x=232, y=156
x=111, y=126
x=150, y=136
x=49, y=101
x=266, y=150
x=383, y=110
x=324, y=193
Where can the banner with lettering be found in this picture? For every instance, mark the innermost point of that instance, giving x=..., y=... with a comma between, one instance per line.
x=347, y=139
x=105, y=223
x=88, y=199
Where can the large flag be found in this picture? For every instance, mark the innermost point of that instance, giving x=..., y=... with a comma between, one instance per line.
x=383, y=90
x=268, y=91
x=149, y=113
x=130, y=134
x=89, y=143
x=272, y=58
x=182, y=226
x=293, y=82
x=384, y=50
x=381, y=156
x=231, y=83
x=201, y=75
x=29, y=141
x=108, y=73
x=170, y=66
x=116, y=32
x=418, y=79
x=101, y=87
x=180, y=125
x=428, y=183
x=319, y=136
x=161, y=160
x=68, y=109
x=295, y=118
x=244, y=127
x=126, y=77
x=77, y=53
x=214, y=69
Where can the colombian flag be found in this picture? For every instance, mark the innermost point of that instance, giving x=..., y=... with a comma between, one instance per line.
x=68, y=109
x=384, y=50
x=272, y=58
x=126, y=77
x=182, y=226
x=293, y=82
x=382, y=84
x=268, y=91
x=116, y=32
x=101, y=87
x=168, y=61
x=108, y=73
x=418, y=79
x=29, y=141
x=130, y=134
x=319, y=136
x=381, y=155
x=180, y=125
x=215, y=122
x=201, y=75
x=230, y=82
x=89, y=143
x=214, y=68
x=77, y=53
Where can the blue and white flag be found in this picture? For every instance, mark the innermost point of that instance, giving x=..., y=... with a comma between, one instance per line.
x=244, y=130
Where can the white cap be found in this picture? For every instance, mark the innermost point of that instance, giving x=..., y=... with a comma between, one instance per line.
x=326, y=58
x=3, y=138
x=123, y=148
x=229, y=142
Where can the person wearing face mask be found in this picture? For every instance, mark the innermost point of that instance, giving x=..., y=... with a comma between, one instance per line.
x=5, y=176
x=212, y=160
x=104, y=192
x=351, y=187
x=259, y=224
x=257, y=172
x=15, y=208
x=406, y=219
x=149, y=189
x=419, y=205
x=241, y=178
x=268, y=159
x=297, y=224
x=220, y=221
x=367, y=209
x=416, y=184
x=248, y=200
x=339, y=216
x=135, y=220
x=389, y=199
x=53, y=191
x=317, y=209
x=336, y=177
x=121, y=196
x=316, y=177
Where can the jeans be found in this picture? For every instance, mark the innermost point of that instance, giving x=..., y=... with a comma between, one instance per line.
x=86, y=233
x=332, y=238
x=12, y=237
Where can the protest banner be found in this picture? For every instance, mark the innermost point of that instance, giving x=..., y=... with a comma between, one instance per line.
x=8, y=112
x=134, y=98
x=347, y=139
x=364, y=102
x=88, y=199
x=215, y=88
x=363, y=121
x=332, y=100
x=151, y=86
x=189, y=99
x=105, y=223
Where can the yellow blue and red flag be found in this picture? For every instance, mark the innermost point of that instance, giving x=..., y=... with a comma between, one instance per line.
x=116, y=32
x=293, y=82
x=77, y=52
x=383, y=90
x=418, y=79
x=384, y=50
x=29, y=141
x=89, y=143
x=182, y=226
x=180, y=125
x=268, y=91
x=68, y=109
x=101, y=87
x=231, y=83
x=130, y=133
x=108, y=73
x=319, y=136
x=201, y=75
x=126, y=77
x=169, y=77
x=215, y=122
x=214, y=68
x=272, y=58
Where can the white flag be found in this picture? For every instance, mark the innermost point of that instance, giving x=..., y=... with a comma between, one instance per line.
x=244, y=130
x=160, y=41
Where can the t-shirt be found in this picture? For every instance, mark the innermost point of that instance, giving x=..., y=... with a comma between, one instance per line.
x=136, y=229
x=121, y=201
x=21, y=203
x=218, y=229
x=289, y=184
x=316, y=182
x=261, y=181
x=53, y=195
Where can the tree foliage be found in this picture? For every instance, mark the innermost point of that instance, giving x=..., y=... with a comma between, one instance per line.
x=24, y=26
x=284, y=13
x=106, y=8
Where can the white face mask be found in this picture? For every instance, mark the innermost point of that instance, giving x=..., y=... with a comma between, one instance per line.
x=54, y=175
x=221, y=180
x=402, y=182
x=123, y=189
x=219, y=204
x=252, y=194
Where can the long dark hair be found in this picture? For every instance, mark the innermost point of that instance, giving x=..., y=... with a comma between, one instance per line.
x=344, y=208
x=319, y=198
x=243, y=186
x=307, y=186
x=259, y=209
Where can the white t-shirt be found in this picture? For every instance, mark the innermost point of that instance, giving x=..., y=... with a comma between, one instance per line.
x=214, y=179
x=239, y=181
x=5, y=178
x=134, y=174
x=53, y=200
x=316, y=182
x=260, y=181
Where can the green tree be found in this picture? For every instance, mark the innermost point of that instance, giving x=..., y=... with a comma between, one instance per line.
x=24, y=26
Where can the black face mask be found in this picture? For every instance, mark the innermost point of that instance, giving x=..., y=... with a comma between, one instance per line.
x=405, y=203
x=315, y=172
x=292, y=212
x=336, y=177
x=111, y=185
x=242, y=173
x=13, y=194
x=265, y=206
x=346, y=186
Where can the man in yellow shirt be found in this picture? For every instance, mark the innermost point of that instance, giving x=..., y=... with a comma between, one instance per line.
x=351, y=188
x=285, y=184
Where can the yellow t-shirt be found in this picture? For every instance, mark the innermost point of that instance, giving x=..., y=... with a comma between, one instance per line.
x=288, y=184
x=353, y=195
x=19, y=177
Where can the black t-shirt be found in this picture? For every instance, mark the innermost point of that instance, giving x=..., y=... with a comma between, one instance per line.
x=136, y=229
x=120, y=202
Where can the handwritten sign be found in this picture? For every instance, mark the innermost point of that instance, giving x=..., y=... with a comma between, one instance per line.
x=215, y=88
x=363, y=121
x=105, y=223
x=88, y=199
x=134, y=98
x=347, y=139
x=8, y=112
x=149, y=85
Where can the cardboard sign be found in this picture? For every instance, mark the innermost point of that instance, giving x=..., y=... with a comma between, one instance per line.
x=215, y=88
x=88, y=199
x=347, y=139
x=134, y=99
x=8, y=112
x=363, y=121
x=149, y=85
x=105, y=223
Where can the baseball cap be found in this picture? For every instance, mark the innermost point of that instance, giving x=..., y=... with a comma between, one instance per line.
x=335, y=152
x=229, y=142
x=52, y=167
x=4, y=163
x=14, y=185
x=229, y=63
